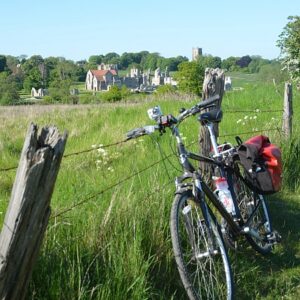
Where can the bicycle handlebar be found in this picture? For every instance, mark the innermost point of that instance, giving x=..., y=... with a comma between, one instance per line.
x=198, y=107
x=167, y=121
x=140, y=131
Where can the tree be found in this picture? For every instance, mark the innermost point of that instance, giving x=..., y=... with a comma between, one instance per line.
x=190, y=77
x=8, y=90
x=2, y=63
x=256, y=63
x=209, y=61
x=150, y=61
x=59, y=90
x=270, y=72
x=35, y=72
x=111, y=58
x=244, y=61
x=229, y=64
x=289, y=44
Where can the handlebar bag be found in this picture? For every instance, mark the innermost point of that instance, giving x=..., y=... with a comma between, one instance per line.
x=263, y=165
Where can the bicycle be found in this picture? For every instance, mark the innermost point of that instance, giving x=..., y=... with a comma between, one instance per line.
x=198, y=234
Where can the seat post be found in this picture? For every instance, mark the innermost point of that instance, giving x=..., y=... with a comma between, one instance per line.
x=213, y=139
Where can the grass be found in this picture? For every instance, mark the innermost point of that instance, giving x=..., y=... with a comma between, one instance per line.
x=117, y=244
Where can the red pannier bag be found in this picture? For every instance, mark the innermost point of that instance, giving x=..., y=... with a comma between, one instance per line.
x=262, y=162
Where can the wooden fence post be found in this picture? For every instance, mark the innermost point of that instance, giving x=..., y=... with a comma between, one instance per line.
x=287, y=110
x=28, y=212
x=214, y=81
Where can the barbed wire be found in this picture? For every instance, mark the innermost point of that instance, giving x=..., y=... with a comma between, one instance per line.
x=253, y=111
x=95, y=148
x=8, y=169
x=81, y=202
x=87, y=199
x=253, y=131
x=123, y=141
x=75, y=153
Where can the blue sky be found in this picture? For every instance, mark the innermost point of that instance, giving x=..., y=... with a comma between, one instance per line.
x=78, y=29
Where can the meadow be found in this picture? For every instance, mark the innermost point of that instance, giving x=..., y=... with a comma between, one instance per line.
x=108, y=236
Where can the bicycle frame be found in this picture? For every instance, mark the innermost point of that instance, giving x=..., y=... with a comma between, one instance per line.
x=200, y=187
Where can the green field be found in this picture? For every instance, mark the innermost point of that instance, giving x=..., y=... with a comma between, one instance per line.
x=116, y=244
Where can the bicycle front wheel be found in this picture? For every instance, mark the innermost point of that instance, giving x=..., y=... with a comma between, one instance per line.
x=199, y=251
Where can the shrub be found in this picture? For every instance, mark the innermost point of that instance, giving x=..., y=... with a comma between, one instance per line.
x=165, y=89
x=114, y=94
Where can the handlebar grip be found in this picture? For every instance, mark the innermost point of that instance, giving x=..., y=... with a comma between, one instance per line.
x=208, y=101
x=135, y=133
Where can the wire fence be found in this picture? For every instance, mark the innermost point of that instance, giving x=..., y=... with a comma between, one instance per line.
x=124, y=141
x=122, y=181
x=88, y=198
x=254, y=111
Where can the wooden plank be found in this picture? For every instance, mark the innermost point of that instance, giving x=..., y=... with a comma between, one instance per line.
x=28, y=212
x=287, y=110
x=214, y=81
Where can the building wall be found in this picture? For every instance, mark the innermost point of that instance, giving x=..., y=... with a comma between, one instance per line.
x=89, y=81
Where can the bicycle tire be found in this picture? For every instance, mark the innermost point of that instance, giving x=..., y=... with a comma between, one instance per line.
x=247, y=201
x=204, y=269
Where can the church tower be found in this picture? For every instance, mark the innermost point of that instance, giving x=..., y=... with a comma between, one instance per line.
x=196, y=52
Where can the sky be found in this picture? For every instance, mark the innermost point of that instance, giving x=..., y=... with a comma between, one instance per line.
x=78, y=29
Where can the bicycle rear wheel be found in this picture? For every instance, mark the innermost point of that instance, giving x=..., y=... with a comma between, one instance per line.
x=199, y=251
x=253, y=205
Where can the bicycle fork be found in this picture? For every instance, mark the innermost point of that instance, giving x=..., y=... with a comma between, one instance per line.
x=203, y=226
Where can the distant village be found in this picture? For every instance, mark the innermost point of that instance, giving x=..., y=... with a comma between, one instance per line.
x=138, y=81
x=107, y=75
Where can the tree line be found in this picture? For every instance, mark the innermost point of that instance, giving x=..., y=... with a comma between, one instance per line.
x=57, y=73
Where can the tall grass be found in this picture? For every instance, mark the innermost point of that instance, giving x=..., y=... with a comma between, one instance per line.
x=116, y=245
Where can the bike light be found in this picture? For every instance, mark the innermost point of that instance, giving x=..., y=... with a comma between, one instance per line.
x=155, y=113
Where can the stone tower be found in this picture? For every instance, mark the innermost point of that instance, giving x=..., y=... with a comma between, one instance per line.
x=196, y=52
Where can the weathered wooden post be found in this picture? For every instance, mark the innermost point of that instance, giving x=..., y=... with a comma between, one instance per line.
x=214, y=81
x=287, y=110
x=28, y=212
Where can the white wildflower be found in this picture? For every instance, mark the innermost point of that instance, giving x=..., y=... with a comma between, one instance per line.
x=101, y=150
x=238, y=121
x=246, y=117
x=254, y=117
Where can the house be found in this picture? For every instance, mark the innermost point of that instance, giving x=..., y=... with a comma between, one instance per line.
x=99, y=80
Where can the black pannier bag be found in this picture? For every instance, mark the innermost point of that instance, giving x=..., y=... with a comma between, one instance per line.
x=262, y=163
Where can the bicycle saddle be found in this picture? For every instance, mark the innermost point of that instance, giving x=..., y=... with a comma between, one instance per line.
x=214, y=116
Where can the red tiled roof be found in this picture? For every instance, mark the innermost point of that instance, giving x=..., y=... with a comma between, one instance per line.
x=100, y=73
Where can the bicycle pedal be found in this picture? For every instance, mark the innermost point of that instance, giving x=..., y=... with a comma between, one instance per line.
x=274, y=237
